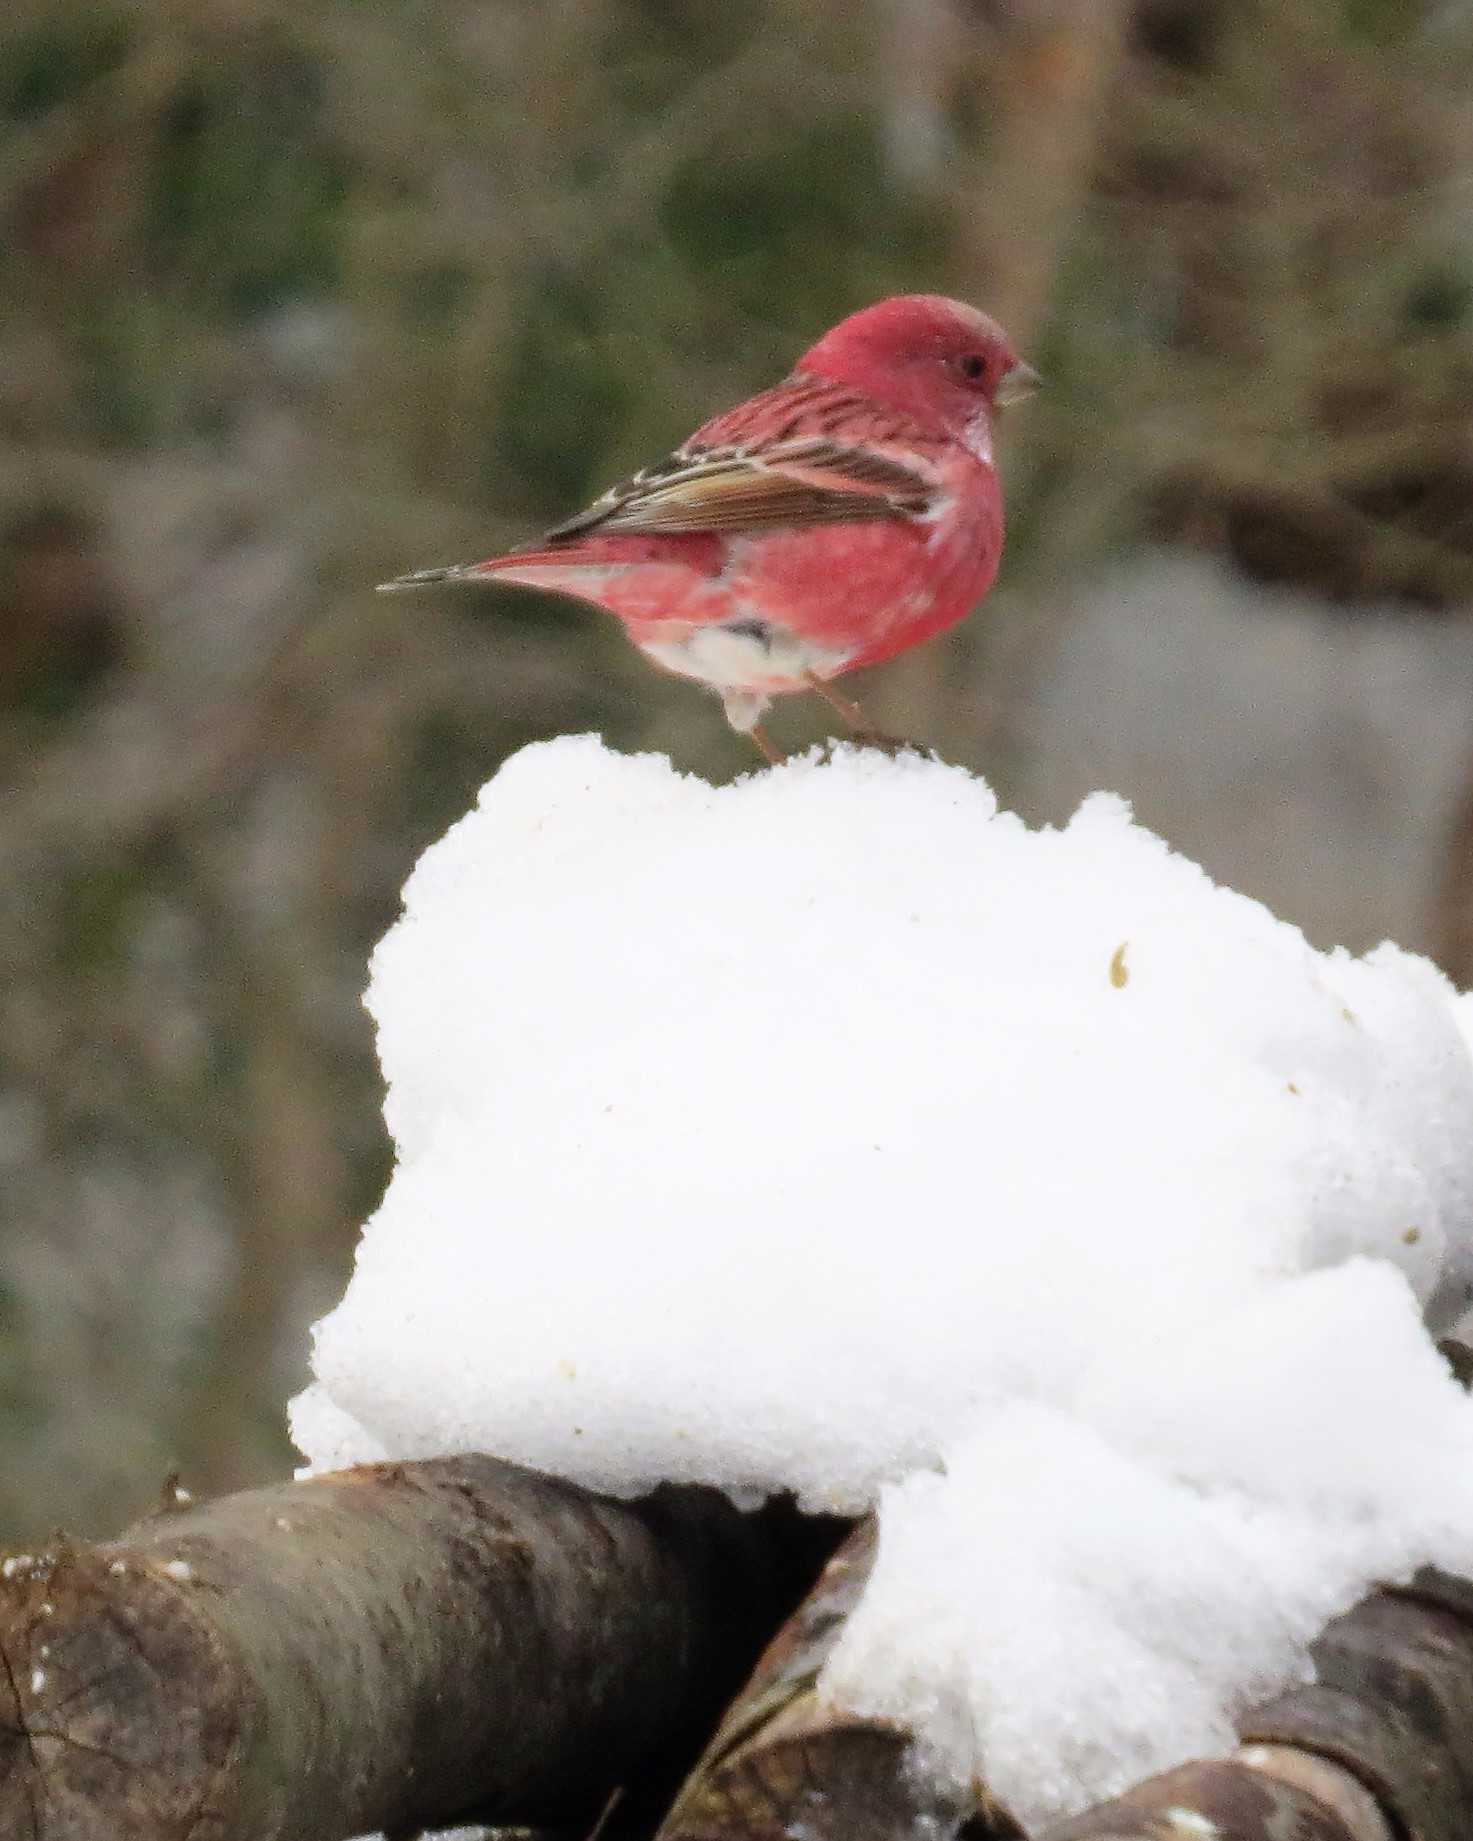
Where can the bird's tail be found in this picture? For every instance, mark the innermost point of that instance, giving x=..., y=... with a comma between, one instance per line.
x=426, y=578
x=527, y=568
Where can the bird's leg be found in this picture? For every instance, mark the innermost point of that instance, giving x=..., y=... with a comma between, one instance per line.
x=861, y=731
x=743, y=707
x=765, y=745
x=849, y=712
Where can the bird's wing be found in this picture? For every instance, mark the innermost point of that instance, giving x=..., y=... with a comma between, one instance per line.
x=755, y=486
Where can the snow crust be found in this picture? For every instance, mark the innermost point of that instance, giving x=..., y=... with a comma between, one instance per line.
x=835, y=1132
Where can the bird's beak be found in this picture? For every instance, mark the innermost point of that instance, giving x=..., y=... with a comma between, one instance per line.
x=1016, y=384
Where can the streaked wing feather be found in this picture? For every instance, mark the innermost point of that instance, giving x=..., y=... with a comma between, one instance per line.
x=810, y=481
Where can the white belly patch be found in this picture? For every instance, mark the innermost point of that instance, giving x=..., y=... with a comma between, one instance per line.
x=746, y=655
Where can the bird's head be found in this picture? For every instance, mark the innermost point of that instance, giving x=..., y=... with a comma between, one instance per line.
x=940, y=360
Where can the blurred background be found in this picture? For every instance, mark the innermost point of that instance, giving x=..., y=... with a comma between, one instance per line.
x=299, y=294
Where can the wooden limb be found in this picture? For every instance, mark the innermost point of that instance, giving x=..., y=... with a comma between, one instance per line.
x=1379, y=1747
x=1392, y=1702
x=379, y=1648
x=410, y=1644
x=785, y=1762
x=1331, y=1785
x=1224, y=1798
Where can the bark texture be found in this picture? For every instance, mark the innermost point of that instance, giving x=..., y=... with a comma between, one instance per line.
x=1226, y=1800
x=382, y=1647
x=409, y=1644
x=785, y=1762
x=1378, y=1748
x=1393, y=1704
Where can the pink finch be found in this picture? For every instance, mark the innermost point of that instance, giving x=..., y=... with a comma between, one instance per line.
x=833, y=521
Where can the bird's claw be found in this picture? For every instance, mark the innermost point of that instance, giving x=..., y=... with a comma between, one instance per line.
x=875, y=738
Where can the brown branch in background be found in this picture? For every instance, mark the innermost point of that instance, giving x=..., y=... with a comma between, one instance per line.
x=921, y=53
x=383, y=1647
x=1044, y=72
x=1308, y=532
x=1053, y=64
x=1452, y=901
x=290, y=1190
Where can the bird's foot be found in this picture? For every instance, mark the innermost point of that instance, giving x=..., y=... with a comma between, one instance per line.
x=875, y=738
x=862, y=732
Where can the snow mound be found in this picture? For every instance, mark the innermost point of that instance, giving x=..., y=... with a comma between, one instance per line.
x=835, y=1132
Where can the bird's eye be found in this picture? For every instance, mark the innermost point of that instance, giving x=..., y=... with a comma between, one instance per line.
x=973, y=368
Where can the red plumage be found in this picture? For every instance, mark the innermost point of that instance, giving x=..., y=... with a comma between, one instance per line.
x=833, y=521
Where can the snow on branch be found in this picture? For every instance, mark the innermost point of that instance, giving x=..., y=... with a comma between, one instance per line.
x=837, y=1132
x=409, y=1643
x=1379, y=1746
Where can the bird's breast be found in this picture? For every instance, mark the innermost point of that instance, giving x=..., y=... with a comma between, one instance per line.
x=870, y=590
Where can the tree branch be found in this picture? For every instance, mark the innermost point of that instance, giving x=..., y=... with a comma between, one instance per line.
x=785, y=1761
x=382, y=1647
x=1379, y=1746
x=1225, y=1797
x=408, y=1644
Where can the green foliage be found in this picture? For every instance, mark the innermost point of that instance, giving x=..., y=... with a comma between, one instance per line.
x=445, y=766
x=654, y=47
x=798, y=225
x=96, y=912
x=1382, y=22
x=1441, y=297
x=53, y=61
x=245, y=200
x=133, y=388
x=551, y=239
x=563, y=391
x=737, y=232
x=437, y=296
